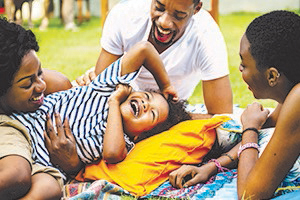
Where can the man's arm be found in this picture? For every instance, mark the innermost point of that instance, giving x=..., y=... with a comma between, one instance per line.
x=217, y=95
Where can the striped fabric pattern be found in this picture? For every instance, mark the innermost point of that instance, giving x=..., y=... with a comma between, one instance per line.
x=86, y=108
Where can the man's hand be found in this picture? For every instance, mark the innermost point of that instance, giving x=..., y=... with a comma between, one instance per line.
x=86, y=78
x=62, y=146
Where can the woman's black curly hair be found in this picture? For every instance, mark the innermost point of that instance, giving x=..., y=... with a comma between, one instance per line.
x=177, y=113
x=15, y=43
x=275, y=42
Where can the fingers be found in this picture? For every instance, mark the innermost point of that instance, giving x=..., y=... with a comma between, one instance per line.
x=92, y=75
x=68, y=131
x=47, y=140
x=59, y=127
x=176, y=177
x=49, y=128
x=86, y=79
x=80, y=81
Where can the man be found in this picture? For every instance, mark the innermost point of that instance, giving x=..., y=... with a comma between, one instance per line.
x=187, y=39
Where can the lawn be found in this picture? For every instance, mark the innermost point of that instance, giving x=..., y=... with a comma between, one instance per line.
x=72, y=53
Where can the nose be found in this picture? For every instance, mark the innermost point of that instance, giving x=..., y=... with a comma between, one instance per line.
x=40, y=85
x=165, y=21
x=145, y=105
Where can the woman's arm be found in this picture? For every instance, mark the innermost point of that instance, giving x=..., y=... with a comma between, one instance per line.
x=259, y=178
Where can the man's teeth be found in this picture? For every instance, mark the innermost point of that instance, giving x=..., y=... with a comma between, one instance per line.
x=164, y=31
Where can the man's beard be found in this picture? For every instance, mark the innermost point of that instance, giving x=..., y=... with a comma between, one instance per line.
x=153, y=29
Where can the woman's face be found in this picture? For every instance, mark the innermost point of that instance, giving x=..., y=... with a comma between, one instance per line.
x=27, y=91
x=255, y=79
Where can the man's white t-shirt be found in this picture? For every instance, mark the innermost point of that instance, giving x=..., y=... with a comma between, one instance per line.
x=200, y=54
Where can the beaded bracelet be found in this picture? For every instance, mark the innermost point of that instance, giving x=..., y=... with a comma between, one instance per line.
x=229, y=156
x=250, y=129
x=247, y=146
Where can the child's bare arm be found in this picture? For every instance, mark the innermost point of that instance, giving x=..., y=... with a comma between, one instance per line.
x=114, y=146
x=145, y=54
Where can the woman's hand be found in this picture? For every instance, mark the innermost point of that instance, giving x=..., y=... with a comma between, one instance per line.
x=121, y=93
x=188, y=175
x=62, y=146
x=254, y=116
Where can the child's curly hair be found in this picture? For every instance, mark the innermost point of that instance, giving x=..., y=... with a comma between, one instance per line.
x=177, y=113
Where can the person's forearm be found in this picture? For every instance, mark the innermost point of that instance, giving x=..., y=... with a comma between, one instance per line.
x=247, y=160
x=114, y=146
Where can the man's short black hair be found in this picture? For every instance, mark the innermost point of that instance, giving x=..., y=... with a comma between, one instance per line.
x=275, y=42
x=15, y=43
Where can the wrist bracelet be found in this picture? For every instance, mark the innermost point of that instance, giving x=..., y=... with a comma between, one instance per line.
x=247, y=146
x=219, y=166
x=250, y=129
x=229, y=156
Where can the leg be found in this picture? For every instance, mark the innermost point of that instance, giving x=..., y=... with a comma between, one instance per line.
x=48, y=10
x=15, y=177
x=8, y=4
x=30, y=24
x=44, y=186
x=68, y=14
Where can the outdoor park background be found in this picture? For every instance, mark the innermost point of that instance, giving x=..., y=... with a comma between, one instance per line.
x=72, y=53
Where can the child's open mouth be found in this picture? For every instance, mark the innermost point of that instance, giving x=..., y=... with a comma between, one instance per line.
x=135, y=107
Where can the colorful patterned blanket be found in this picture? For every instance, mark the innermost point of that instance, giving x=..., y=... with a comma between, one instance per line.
x=102, y=189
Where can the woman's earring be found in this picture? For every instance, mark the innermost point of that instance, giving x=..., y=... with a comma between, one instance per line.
x=278, y=74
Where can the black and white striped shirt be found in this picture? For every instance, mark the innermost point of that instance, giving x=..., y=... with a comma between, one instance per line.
x=86, y=108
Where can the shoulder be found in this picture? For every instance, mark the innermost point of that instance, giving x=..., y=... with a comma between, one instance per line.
x=11, y=124
x=289, y=113
x=54, y=79
x=131, y=8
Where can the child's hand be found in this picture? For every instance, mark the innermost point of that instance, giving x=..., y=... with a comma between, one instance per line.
x=188, y=175
x=170, y=90
x=121, y=93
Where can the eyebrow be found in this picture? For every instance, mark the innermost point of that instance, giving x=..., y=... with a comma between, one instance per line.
x=160, y=3
x=24, y=78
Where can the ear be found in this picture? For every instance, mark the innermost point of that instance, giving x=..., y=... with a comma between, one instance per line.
x=273, y=76
x=198, y=7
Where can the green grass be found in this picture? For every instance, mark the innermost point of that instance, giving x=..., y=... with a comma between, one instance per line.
x=72, y=53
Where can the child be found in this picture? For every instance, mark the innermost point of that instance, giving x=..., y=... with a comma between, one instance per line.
x=106, y=117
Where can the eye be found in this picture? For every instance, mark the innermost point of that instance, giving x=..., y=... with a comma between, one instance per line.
x=28, y=86
x=159, y=9
x=153, y=114
x=177, y=17
x=147, y=96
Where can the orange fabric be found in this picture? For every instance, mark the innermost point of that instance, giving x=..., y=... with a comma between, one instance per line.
x=148, y=165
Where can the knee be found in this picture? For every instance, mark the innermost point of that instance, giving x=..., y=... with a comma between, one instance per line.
x=15, y=181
